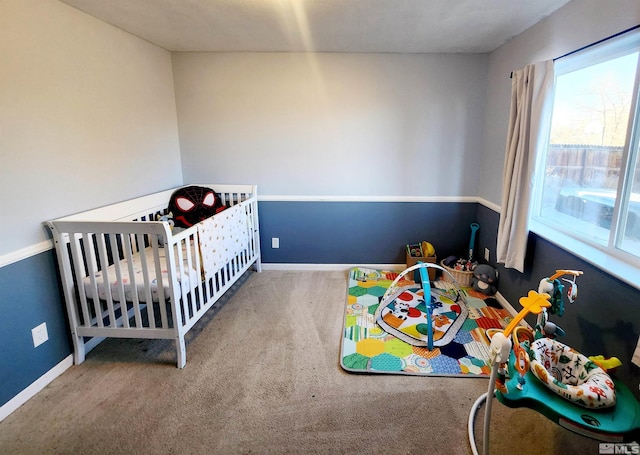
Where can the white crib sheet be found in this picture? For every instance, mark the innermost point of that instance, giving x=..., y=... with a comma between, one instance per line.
x=184, y=279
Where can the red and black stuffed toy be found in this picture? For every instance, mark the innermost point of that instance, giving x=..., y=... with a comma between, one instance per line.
x=192, y=204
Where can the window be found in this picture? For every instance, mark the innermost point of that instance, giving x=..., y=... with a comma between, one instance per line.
x=587, y=183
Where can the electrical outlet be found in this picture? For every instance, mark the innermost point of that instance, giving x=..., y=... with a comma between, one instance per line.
x=275, y=242
x=486, y=254
x=39, y=334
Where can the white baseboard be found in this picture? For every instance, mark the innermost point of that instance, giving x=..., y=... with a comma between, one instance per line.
x=507, y=306
x=35, y=387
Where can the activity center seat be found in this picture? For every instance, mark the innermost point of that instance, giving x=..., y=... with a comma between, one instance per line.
x=571, y=375
x=550, y=377
x=616, y=423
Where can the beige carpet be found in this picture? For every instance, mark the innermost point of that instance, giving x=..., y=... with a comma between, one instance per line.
x=263, y=376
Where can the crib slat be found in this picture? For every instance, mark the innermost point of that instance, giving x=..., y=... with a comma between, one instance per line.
x=193, y=301
x=80, y=272
x=135, y=299
x=104, y=262
x=90, y=255
x=182, y=298
x=147, y=288
x=113, y=242
x=159, y=283
x=198, y=291
x=190, y=296
x=198, y=267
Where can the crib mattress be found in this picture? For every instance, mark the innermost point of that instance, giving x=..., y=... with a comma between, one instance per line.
x=185, y=279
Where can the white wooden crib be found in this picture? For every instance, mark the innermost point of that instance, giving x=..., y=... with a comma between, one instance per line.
x=126, y=275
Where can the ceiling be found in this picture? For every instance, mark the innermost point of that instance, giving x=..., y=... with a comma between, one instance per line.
x=402, y=26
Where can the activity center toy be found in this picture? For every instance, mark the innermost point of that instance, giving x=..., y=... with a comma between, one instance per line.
x=422, y=317
x=530, y=368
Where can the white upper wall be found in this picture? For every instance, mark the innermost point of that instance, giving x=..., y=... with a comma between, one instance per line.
x=579, y=23
x=333, y=124
x=87, y=117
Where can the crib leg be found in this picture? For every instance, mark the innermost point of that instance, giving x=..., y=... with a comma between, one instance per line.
x=79, y=349
x=258, y=265
x=181, y=351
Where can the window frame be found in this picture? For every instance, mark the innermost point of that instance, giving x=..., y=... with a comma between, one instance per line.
x=610, y=258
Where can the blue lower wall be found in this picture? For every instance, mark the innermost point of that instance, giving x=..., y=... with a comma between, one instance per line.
x=29, y=296
x=361, y=232
x=602, y=321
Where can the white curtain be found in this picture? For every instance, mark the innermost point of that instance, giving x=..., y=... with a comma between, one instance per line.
x=531, y=99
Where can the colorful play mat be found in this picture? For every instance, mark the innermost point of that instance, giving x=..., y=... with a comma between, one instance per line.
x=368, y=348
